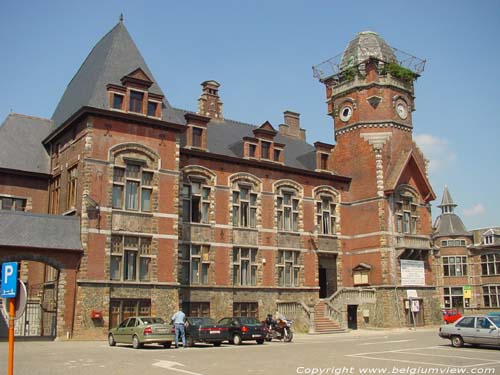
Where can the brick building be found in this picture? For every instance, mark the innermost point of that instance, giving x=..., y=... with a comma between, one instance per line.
x=468, y=262
x=163, y=206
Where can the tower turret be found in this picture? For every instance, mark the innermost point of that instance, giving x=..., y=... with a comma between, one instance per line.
x=370, y=82
x=447, y=205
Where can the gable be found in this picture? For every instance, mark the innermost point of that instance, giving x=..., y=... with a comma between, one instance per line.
x=138, y=77
x=408, y=172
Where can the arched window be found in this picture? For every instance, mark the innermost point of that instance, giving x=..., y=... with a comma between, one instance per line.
x=244, y=200
x=326, y=210
x=133, y=177
x=196, y=194
x=406, y=210
x=288, y=196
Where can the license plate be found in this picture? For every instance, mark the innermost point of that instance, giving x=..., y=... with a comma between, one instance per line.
x=256, y=335
x=214, y=332
x=161, y=330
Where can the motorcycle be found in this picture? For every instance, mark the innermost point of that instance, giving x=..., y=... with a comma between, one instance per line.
x=279, y=330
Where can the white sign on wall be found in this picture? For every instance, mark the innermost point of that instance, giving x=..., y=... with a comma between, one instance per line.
x=412, y=272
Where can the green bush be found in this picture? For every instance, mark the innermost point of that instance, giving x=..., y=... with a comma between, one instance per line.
x=399, y=72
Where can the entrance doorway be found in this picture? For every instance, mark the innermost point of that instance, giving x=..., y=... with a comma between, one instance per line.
x=40, y=315
x=327, y=274
x=352, y=316
x=323, y=283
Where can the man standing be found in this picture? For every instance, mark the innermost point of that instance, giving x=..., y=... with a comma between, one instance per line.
x=178, y=319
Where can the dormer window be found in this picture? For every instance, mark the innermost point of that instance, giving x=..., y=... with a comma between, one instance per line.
x=136, y=99
x=252, y=150
x=277, y=154
x=197, y=137
x=265, y=148
x=324, y=161
x=118, y=101
x=152, y=108
x=488, y=240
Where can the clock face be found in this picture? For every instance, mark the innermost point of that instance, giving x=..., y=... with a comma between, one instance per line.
x=402, y=110
x=345, y=113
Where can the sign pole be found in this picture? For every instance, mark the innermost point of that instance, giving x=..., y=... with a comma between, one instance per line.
x=12, y=315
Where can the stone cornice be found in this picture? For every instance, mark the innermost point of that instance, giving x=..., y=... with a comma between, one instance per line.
x=373, y=125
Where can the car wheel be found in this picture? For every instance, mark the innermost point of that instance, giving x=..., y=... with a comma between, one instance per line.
x=236, y=339
x=111, y=340
x=189, y=341
x=217, y=343
x=260, y=341
x=136, y=344
x=457, y=341
x=167, y=344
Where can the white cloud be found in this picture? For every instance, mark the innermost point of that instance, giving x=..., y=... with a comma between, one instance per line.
x=476, y=210
x=436, y=150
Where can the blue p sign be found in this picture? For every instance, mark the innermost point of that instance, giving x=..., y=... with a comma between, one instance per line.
x=9, y=280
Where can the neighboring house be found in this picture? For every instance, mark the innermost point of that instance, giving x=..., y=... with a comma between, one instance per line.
x=468, y=267
x=161, y=206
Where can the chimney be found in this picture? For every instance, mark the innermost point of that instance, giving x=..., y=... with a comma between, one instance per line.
x=291, y=127
x=209, y=103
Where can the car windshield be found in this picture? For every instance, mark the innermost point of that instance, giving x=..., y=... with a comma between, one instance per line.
x=151, y=320
x=495, y=319
x=200, y=321
x=247, y=320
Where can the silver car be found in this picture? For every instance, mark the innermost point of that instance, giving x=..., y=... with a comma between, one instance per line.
x=473, y=329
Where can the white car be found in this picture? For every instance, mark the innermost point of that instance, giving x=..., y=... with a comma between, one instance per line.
x=473, y=329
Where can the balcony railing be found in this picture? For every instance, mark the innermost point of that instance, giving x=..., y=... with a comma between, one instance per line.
x=408, y=241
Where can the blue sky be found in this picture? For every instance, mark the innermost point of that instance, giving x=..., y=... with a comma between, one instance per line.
x=262, y=52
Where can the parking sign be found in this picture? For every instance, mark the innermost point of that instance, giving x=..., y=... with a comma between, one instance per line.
x=9, y=280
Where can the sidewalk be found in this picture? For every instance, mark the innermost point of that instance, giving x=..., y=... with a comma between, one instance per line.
x=366, y=332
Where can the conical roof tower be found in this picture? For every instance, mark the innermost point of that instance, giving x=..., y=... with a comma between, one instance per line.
x=449, y=223
x=113, y=57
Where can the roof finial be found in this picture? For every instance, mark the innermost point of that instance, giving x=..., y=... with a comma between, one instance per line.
x=121, y=17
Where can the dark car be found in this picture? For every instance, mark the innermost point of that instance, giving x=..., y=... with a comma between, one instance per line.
x=242, y=328
x=204, y=330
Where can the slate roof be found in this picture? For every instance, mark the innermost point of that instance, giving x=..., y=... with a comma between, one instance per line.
x=449, y=224
x=225, y=137
x=112, y=58
x=42, y=231
x=447, y=199
x=365, y=45
x=21, y=143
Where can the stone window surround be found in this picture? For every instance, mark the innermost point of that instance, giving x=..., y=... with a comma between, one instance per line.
x=454, y=263
x=245, y=258
x=122, y=185
x=448, y=294
x=122, y=253
x=15, y=200
x=490, y=264
x=198, y=255
x=288, y=262
x=125, y=92
x=330, y=193
x=406, y=216
x=491, y=295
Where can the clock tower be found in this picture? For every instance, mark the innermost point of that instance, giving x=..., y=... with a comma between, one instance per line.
x=386, y=218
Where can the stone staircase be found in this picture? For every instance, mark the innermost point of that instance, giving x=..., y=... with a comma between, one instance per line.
x=322, y=322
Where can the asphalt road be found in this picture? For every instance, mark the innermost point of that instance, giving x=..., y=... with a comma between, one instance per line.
x=356, y=352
